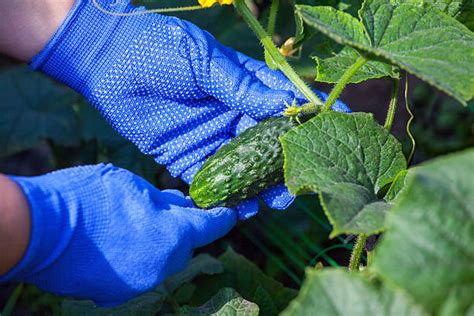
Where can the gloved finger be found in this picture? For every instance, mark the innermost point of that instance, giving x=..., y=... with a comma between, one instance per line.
x=275, y=79
x=233, y=85
x=208, y=225
x=277, y=197
x=244, y=123
x=176, y=197
x=247, y=209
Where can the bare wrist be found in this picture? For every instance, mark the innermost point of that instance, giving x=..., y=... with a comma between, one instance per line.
x=26, y=26
x=15, y=225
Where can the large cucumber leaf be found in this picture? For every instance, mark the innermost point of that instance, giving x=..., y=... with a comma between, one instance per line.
x=335, y=292
x=226, y=302
x=462, y=10
x=249, y=281
x=422, y=40
x=347, y=158
x=428, y=247
x=331, y=69
x=34, y=109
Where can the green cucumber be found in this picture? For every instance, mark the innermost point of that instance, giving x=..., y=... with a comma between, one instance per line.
x=249, y=164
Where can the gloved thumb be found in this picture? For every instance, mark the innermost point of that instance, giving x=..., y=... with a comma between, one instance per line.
x=209, y=225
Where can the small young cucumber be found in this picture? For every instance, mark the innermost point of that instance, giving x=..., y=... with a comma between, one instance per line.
x=249, y=164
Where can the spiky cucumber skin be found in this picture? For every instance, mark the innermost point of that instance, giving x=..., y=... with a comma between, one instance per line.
x=249, y=164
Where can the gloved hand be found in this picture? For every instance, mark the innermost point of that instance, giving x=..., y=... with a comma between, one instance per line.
x=103, y=233
x=165, y=84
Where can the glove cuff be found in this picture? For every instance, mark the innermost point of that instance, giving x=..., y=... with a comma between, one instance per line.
x=86, y=42
x=54, y=208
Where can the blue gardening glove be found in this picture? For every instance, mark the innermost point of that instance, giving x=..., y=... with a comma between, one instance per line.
x=165, y=84
x=103, y=233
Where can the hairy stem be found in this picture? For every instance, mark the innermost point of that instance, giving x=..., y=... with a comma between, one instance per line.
x=341, y=84
x=272, y=17
x=272, y=50
x=271, y=31
x=392, y=106
x=357, y=253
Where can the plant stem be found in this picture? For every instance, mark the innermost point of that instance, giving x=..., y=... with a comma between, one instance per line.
x=272, y=50
x=357, y=252
x=370, y=257
x=392, y=106
x=272, y=17
x=410, y=135
x=8, y=309
x=162, y=10
x=341, y=84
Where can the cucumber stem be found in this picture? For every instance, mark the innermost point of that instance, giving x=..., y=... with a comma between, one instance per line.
x=161, y=10
x=272, y=17
x=341, y=84
x=357, y=252
x=392, y=106
x=275, y=55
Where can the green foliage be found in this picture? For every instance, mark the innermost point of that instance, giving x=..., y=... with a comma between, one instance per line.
x=335, y=292
x=249, y=281
x=34, y=110
x=226, y=302
x=462, y=10
x=423, y=266
x=397, y=185
x=145, y=305
x=424, y=262
x=421, y=40
x=331, y=69
x=347, y=158
x=427, y=249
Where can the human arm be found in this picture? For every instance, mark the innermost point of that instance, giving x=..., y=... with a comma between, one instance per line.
x=14, y=224
x=102, y=233
x=26, y=26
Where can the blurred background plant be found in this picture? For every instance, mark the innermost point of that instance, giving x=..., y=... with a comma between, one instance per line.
x=45, y=126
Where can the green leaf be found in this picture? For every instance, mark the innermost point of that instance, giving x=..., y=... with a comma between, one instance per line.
x=422, y=40
x=428, y=248
x=335, y=292
x=145, y=305
x=347, y=158
x=330, y=70
x=34, y=109
x=397, y=185
x=226, y=302
x=201, y=264
x=247, y=279
x=466, y=16
x=450, y=7
x=353, y=209
x=462, y=10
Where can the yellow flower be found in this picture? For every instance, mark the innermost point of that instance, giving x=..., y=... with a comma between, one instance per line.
x=210, y=3
x=287, y=49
